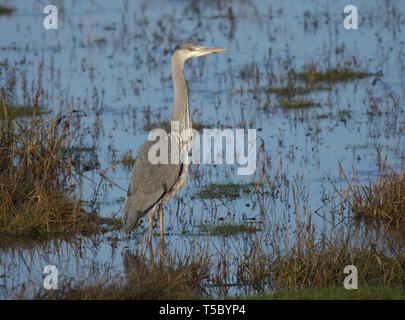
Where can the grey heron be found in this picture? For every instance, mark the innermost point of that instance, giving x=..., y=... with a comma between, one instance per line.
x=152, y=184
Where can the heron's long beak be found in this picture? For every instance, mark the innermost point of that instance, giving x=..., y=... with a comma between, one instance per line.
x=206, y=50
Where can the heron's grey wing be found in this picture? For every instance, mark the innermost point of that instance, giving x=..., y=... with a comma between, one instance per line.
x=148, y=184
x=151, y=181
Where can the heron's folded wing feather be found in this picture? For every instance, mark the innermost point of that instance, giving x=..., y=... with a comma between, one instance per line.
x=149, y=182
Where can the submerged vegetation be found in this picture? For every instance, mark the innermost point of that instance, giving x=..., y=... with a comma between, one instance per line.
x=6, y=10
x=20, y=111
x=312, y=75
x=311, y=79
x=298, y=103
x=228, y=229
x=290, y=91
x=225, y=190
x=165, y=124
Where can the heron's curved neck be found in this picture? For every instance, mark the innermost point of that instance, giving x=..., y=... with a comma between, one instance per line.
x=181, y=112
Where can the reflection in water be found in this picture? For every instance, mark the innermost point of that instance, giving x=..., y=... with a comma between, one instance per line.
x=137, y=263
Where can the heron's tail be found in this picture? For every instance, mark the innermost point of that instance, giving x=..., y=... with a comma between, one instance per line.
x=131, y=215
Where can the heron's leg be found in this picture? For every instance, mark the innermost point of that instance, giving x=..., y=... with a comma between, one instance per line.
x=151, y=218
x=161, y=221
x=162, y=246
x=151, y=256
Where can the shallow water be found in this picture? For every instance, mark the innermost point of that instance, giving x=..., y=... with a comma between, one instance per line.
x=111, y=60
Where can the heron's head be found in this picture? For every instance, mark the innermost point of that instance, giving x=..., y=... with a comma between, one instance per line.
x=189, y=49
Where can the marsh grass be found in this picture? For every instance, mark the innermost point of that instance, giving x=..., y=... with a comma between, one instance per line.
x=39, y=193
x=317, y=260
x=381, y=201
x=82, y=157
x=334, y=293
x=128, y=160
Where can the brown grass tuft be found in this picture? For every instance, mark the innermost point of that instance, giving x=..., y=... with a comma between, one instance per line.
x=382, y=201
x=38, y=185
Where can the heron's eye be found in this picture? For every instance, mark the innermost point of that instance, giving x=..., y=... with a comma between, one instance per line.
x=190, y=49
